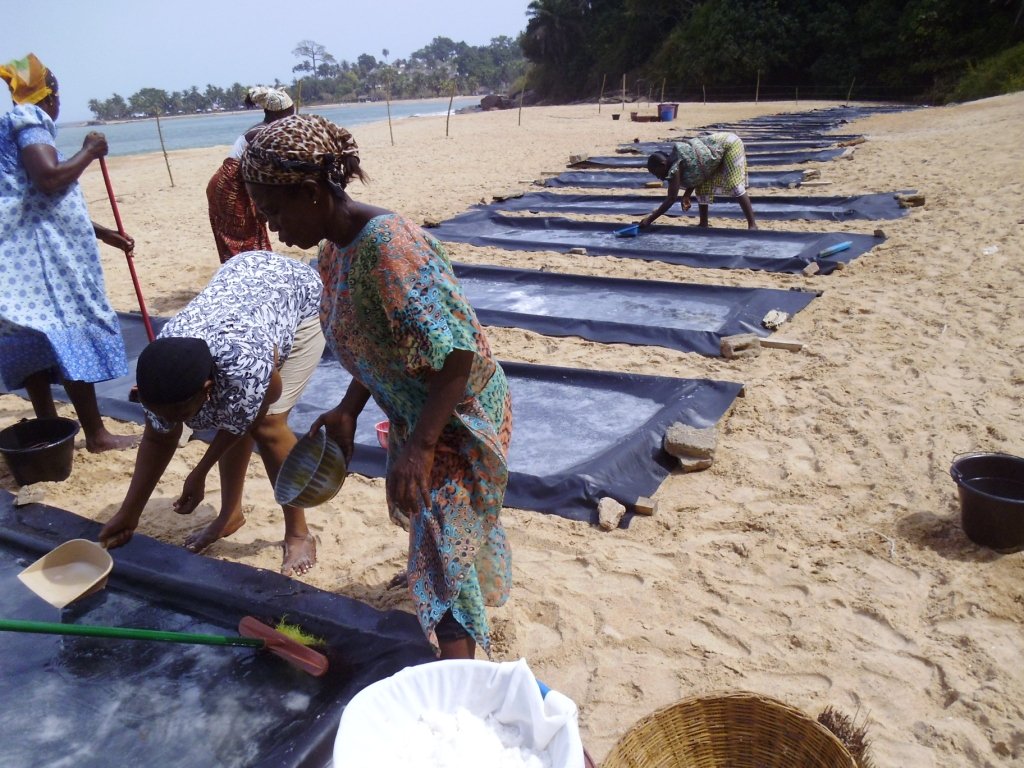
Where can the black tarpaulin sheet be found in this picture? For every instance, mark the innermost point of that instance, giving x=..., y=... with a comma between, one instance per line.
x=753, y=158
x=683, y=316
x=639, y=180
x=578, y=434
x=687, y=246
x=805, y=124
x=752, y=145
x=789, y=207
x=96, y=702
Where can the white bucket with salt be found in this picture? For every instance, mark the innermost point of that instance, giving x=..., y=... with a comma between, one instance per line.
x=457, y=713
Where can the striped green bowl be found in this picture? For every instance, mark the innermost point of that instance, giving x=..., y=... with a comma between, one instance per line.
x=313, y=472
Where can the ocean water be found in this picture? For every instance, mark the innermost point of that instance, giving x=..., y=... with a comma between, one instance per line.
x=196, y=131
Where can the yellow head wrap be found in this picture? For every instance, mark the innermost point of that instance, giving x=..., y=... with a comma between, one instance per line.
x=27, y=80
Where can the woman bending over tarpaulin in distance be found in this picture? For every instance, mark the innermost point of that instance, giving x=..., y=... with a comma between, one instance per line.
x=713, y=162
x=56, y=324
x=397, y=319
x=237, y=226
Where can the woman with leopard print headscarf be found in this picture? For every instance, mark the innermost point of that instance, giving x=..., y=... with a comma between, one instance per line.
x=396, y=317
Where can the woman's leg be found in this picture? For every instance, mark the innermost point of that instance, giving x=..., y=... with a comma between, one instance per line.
x=97, y=438
x=232, y=466
x=38, y=387
x=453, y=639
x=275, y=439
x=703, y=208
x=748, y=210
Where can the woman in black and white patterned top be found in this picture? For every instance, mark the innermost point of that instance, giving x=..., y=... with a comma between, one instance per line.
x=234, y=360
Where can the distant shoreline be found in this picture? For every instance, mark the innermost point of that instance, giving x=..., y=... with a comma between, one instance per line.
x=305, y=107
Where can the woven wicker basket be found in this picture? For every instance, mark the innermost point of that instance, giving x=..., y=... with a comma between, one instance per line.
x=728, y=730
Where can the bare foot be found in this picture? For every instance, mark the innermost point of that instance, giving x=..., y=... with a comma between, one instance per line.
x=299, y=554
x=197, y=541
x=105, y=441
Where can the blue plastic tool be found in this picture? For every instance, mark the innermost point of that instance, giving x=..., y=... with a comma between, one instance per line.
x=833, y=249
x=631, y=231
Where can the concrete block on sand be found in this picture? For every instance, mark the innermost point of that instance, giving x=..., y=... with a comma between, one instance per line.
x=740, y=345
x=609, y=514
x=645, y=505
x=686, y=442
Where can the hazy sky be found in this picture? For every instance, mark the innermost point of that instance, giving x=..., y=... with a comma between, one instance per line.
x=101, y=47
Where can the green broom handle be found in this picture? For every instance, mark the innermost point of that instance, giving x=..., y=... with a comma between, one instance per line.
x=126, y=633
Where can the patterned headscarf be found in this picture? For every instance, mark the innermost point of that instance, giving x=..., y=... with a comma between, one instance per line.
x=300, y=147
x=271, y=99
x=27, y=79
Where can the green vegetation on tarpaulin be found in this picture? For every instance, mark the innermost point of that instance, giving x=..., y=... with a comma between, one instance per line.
x=320, y=78
x=905, y=50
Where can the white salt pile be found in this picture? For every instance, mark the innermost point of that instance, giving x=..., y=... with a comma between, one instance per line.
x=455, y=740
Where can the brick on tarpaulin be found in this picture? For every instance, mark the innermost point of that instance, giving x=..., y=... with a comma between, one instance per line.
x=30, y=494
x=740, y=345
x=645, y=505
x=694, y=465
x=910, y=201
x=609, y=514
x=686, y=442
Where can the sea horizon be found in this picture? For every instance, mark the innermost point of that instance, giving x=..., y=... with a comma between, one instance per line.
x=135, y=137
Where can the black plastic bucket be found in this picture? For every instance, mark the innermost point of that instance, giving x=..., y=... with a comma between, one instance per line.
x=39, y=449
x=991, y=489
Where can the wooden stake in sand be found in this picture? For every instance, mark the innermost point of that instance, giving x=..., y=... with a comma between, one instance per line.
x=521, y=105
x=757, y=88
x=850, y=92
x=160, y=133
x=623, y=92
x=447, y=120
x=604, y=79
x=703, y=90
x=663, y=90
x=387, y=99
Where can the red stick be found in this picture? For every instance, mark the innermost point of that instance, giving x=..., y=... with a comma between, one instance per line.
x=129, y=253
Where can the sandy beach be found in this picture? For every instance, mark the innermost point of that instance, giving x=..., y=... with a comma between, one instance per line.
x=820, y=560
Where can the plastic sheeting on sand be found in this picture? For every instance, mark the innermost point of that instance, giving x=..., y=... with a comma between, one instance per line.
x=817, y=122
x=641, y=179
x=578, y=434
x=772, y=251
x=752, y=145
x=684, y=316
x=778, y=207
x=753, y=158
x=94, y=702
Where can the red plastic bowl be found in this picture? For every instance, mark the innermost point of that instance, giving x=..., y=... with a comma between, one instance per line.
x=382, y=433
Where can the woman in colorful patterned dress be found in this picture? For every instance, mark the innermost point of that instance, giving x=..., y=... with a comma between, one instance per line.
x=234, y=360
x=713, y=162
x=56, y=324
x=237, y=227
x=397, y=319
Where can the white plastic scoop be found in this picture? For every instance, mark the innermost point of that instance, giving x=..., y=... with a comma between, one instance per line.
x=71, y=571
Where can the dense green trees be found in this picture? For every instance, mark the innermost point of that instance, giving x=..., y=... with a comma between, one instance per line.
x=896, y=49
x=319, y=77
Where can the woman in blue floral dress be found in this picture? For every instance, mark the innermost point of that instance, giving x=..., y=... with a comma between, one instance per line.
x=397, y=319
x=56, y=324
